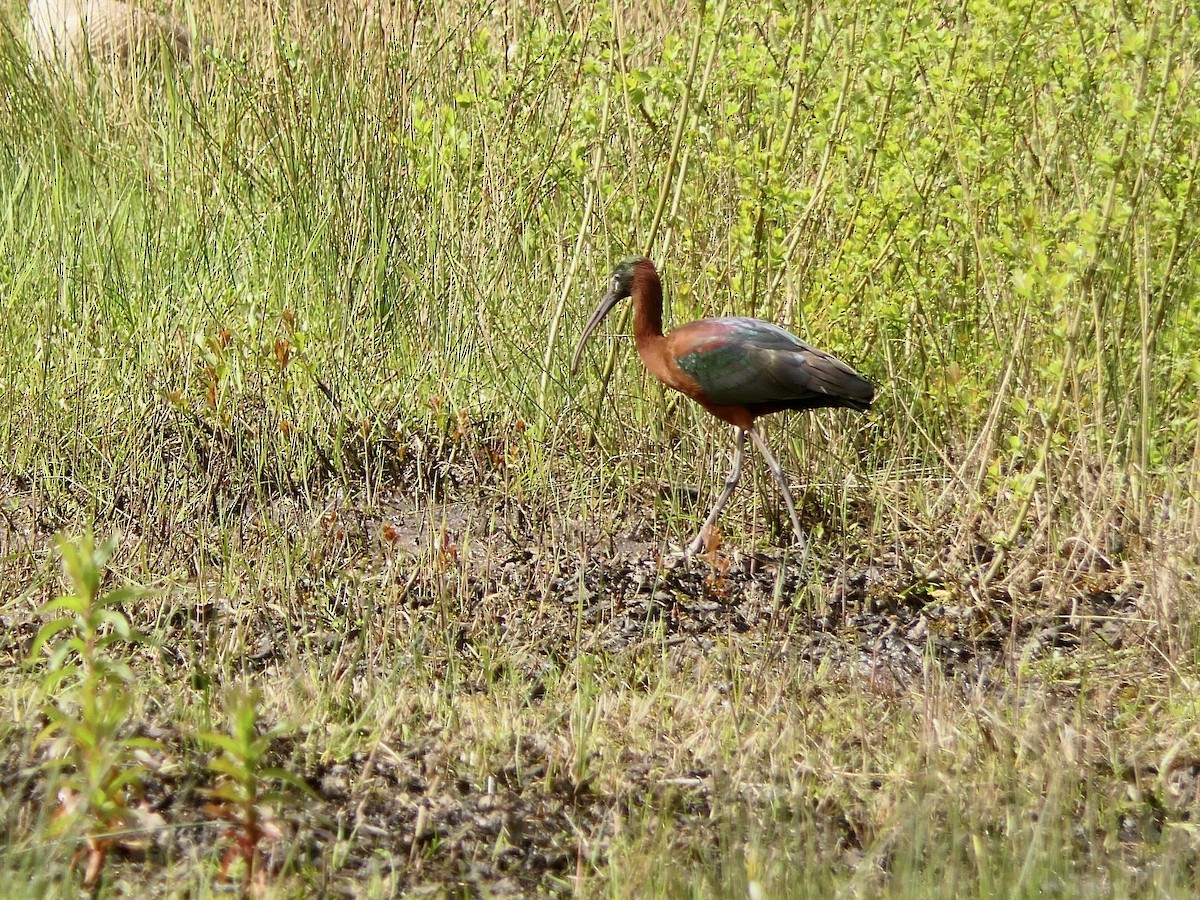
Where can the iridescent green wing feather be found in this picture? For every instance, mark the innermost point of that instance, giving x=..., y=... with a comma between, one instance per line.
x=744, y=362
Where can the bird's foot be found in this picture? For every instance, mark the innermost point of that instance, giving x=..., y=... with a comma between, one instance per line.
x=685, y=557
x=707, y=541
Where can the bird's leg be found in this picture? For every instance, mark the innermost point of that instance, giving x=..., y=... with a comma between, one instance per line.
x=777, y=471
x=735, y=474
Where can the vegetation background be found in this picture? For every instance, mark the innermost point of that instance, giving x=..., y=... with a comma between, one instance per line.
x=389, y=602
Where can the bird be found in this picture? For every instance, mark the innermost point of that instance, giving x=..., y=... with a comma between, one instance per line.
x=736, y=368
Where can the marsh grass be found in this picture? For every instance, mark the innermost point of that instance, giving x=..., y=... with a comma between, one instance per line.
x=294, y=322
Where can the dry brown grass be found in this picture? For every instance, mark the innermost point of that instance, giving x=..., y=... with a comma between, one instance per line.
x=278, y=320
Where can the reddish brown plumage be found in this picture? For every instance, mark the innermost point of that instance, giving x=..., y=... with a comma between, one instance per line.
x=656, y=350
x=736, y=368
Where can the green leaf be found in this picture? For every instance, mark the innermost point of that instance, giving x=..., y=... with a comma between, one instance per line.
x=123, y=596
x=142, y=743
x=69, y=602
x=288, y=778
x=56, y=675
x=223, y=765
x=45, y=633
x=227, y=791
x=131, y=775
x=223, y=741
x=48, y=733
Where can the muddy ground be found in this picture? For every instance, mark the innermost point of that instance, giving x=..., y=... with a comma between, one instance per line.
x=488, y=571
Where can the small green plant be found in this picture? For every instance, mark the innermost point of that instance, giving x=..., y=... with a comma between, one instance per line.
x=242, y=796
x=92, y=758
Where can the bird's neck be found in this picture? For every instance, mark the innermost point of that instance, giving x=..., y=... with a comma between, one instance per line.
x=647, y=307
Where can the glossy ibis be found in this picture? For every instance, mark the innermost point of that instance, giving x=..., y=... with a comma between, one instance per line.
x=736, y=368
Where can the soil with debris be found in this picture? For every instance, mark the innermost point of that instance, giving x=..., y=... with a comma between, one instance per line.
x=409, y=809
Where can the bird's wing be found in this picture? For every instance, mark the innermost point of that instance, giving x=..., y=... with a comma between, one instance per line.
x=742, y=362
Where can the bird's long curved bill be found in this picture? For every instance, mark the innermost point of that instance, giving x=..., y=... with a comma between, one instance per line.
x=606, y=305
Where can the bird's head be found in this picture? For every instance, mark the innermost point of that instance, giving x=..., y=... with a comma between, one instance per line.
x=620, y=286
